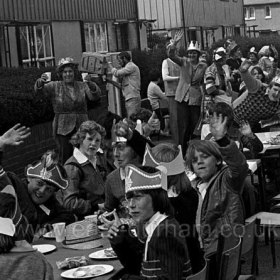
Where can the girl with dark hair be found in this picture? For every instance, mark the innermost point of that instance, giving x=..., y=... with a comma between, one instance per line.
x=159, y=250
x=69, y=100
x=17, y=257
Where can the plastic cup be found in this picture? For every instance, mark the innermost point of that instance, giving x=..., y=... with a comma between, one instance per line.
x=59, y=231
x=49, y=74
x=84, y=76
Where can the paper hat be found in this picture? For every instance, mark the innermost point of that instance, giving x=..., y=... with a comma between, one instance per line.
x=219, y=53
x=174, y=167
x=65, y=61
x=8, y=225
x=264, y=51
x=194, y=46
x=136, y=179
x=253, y=50
x=48, y=170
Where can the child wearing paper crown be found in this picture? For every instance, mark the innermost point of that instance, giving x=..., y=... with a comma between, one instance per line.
x=158, y=251
x=182, y=196
x=18, y=259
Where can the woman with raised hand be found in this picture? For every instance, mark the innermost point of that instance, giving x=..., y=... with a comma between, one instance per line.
x=69, y=101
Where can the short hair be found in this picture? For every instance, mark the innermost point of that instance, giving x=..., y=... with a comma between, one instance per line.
x=207, y=147
x=154, y=75
x=159, y=197
x=125, y=55
x=90, y=127
x=7, y=209
x=143, y=115
x=224, y=109
x=260, y=71
x=166, y=152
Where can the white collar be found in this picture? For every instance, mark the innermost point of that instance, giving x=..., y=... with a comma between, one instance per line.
x=150, y=227
x=81, y=158
x=122, y=173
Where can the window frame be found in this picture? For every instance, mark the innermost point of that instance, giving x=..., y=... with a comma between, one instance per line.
x=265, y=15
x=95, y=44
x=249, y=13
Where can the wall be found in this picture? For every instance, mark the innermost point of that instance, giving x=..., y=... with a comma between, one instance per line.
x=67, y=39
x=132, y=36
x=265, y=23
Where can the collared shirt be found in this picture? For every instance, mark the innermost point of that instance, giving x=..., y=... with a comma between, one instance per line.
x=150, y=227
x=81, y=158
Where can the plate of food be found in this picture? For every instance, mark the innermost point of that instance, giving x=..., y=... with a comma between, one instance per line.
x=87, y=272
x=44, y=248
x=108, y=253
x=274, y=140
x=49, y=235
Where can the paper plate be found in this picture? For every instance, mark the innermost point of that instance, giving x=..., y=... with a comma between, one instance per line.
x=87, y=272
x=104, y=254
x=49, y=235
x=45, y=248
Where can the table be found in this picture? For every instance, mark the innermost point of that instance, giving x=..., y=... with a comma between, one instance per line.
x=265, y=138
x=61, y=253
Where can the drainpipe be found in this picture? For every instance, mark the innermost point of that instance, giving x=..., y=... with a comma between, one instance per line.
x=137, y=25
x=184, y=27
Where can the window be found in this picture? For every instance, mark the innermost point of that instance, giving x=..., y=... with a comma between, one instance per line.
x=36, y=45
x=246, y=13
x=96, y=37
x=267, y=12
x=251, y=13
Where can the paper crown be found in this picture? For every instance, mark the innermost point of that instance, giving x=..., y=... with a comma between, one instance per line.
x=174, y=167
x=64, y=61
x=193, y=46
x=253, y=50
x=219, y=53
x=48, y=170
x=7, y=226
x=136, y=179
x=264, y=50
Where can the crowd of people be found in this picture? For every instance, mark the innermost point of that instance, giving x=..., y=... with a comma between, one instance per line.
x=169, y=202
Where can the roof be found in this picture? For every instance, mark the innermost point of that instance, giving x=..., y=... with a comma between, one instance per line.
x=260, y=2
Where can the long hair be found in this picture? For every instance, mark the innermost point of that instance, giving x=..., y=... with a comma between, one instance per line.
x=166, y=152
x=90, y=127
x=204, y=146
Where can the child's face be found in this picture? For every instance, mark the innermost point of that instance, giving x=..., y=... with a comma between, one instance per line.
x=204, y=166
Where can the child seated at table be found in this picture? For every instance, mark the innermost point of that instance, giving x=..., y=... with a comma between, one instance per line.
x=18, y=259
x=158, y=251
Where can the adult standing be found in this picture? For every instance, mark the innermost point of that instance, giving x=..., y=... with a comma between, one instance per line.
x=130, y=82
x=171, y=76
x=69, y=103
x=188, y=93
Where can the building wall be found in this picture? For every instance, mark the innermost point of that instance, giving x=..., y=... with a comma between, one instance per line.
x=67, y=39
x=133, y=36
x=47, y=10
x=166, y=13
x=263, y=23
